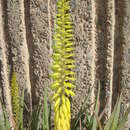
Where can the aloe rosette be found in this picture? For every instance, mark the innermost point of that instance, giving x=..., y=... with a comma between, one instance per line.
x=63, y=66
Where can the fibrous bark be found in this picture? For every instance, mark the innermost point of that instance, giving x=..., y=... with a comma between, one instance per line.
x=102, y=41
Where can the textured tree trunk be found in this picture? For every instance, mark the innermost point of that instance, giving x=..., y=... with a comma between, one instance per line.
x=109, y=41
x=4, y=81
x=102, y=40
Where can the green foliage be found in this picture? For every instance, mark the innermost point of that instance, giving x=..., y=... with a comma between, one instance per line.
x=94, y=126
x=115, y=122
x=35, y=123
x=63, y=64
x=76, y=120
x=82, y=120
x=46, y=113
x=17, y=106
x=36, y=116
x=4, y=123
x=15, y=98
x=21, y=111
x=123, y=120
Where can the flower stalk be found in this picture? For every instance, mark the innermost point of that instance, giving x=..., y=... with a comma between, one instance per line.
x=63, y=66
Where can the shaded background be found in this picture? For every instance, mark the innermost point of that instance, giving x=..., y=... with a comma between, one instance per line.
x=102, y=40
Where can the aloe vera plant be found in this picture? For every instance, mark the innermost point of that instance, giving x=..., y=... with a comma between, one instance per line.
x=82, y=120
x=63, y=64
x=92, y=122
x=116, y=122
x=17, y=106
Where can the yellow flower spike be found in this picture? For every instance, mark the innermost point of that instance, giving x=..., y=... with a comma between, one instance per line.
x=57, y=103
x=69, y=92
x=63, y=99
x=68, y=105
x=69, y=85
x=56, y=118
x=56, y=95
x=62, y=118
x=59, y=125
x=15, y=100
x=61, y=113
x=63, y=65
x=64, y=107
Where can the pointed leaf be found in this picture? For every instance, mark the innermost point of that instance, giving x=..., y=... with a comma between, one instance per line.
x=116, y=116
x=45, y=113
x=123, y=120
x=94, y=127
x=111, y=119
x=81, y=111
x=21, y=111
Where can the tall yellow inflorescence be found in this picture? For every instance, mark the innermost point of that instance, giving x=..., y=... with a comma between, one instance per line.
x=15, y=98
x=63, y=66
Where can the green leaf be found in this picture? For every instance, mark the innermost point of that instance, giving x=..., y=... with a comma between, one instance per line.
x=88, y=119
x=21, y=111
x=6, y=119
x=45, y=113
x=94, y=126
x=98, y=121
x=113, y=120
x=116, y=116
x=81, y=111
x=123, y=120
x=35, y=124
x=2, y=127
x=2, y=124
